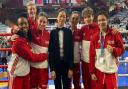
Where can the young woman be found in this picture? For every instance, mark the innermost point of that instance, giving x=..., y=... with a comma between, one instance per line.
x=39, y=44
x=19, y=65
x=61, y=53
x=104, y=50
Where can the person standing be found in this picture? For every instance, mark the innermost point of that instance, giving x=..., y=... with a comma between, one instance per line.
x=39, y=44
x=61, y=53
x=74, y=20
x=87, y=31
x=104, y=50
x=19, y=65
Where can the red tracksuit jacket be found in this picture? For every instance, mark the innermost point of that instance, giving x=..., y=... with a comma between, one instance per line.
x=77, y=42
x=21, y=55
x=40, y=42
x=86, y=34
x=107, y=63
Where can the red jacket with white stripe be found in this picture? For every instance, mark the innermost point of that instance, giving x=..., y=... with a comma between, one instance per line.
x=108, y=62
x=86, y=34
x=77, y=42
x=21, y=55
x=40, y=42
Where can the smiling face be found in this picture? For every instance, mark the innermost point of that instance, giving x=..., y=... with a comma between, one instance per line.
x=88, y=19
x=102, y=22
x=61, y=18
x=42, y=22
x=23, y=24
x=87, y=14
x=31, y=9
x=74, y=18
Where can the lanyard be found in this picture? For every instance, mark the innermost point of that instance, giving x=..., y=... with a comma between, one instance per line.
x=102, y=45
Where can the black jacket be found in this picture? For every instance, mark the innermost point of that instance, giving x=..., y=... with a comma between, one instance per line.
x=54, y=50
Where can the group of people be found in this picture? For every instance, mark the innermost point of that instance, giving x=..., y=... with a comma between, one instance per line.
x=96, y=46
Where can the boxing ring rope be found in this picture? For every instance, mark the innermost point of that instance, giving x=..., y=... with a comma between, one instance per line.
x=5, y=49
x=5, y=34
x=5, y=74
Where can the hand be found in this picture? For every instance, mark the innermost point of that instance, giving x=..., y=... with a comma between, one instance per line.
x=114, y=31
x=70, y=73
x=93, y=76
x=53, y=75
x=110, y=48
x=13, y=37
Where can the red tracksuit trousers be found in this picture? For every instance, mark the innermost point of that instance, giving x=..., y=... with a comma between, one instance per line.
x=21, y=82
x=39, y=78
x=106, y=81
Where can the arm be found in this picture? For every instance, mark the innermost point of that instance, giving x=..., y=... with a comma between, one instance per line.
x=119, y=48
x=51, y=52
x=71, y=59
x=92, y=56
x=24, y=51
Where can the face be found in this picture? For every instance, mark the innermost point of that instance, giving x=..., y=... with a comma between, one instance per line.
x=74, y=18
x=23, y=23
x=61, y=18
x=14, y=29
x=32, y=11
x=102, y=22
x=88, y=19
x=42, y=22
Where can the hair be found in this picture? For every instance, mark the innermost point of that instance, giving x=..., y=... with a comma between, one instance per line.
x=43, y=14
x=87, y=11
x=24, y=34
x=105, y=13
x=23, y=14
x=60, y=10
x=74, y=12
x=30, y=3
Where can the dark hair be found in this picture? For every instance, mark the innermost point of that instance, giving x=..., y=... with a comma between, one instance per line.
x=29, y=34
x=23, y=14
x=87, y=11
x=105, y=13
x=74, y=12
x=60, y=10
x=24, y=34
x=43, y=14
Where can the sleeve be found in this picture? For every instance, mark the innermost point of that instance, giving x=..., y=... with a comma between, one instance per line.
x=81, y=34
x=119, y=48
x=24, y=51
x=51, y=52
x=92, y=55
x=71, y=59
x=80, y=45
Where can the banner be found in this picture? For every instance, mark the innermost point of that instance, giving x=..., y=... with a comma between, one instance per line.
x=75, y=1
x=39, y=2
x=25, y=2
